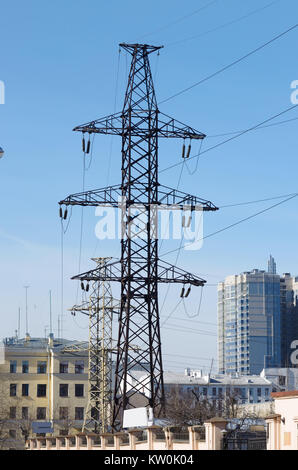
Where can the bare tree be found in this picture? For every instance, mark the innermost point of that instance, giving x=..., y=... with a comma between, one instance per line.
x=193, y=408
x=63, y=421
x=15, y=425
x=190, y=408
x=8, y=425
x=4, y=431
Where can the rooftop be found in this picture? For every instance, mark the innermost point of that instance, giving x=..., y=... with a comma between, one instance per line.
x=16, y=344
x=289, y=394
x=220, y=379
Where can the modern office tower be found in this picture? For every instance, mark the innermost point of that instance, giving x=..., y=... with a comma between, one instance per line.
x=249, y=322
x=271, y=265
x=289, y=317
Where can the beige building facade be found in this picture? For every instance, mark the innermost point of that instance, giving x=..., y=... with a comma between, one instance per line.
x=42, y=380
x=283, y=424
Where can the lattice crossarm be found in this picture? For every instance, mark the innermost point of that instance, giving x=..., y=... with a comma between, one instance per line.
x=172, y=197
x=108, y=196
x=110, y=272
x=170, y=127
x=168, y=273
x=111, y=124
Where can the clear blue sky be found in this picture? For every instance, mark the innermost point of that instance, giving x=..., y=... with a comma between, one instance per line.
x=59, y=65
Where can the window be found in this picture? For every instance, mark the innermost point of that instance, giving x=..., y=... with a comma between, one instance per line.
x=13, y=367
x=25, y=412
x=79, y=367
x=79, y=413
x=63, y=412
x=63, y=367
x=25, y=390
x=214, y=391
x=281, y=380
x=41, y=367
x=41, y=413
x=266, y=392
x=259, y=392
x=79, y=390
x=41, y=390
x=63, y=390
x=12, y=412
x=13, y=390
x=12, y=433
x=25, y=367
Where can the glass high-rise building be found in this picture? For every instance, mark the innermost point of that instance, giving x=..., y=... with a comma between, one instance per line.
x=289, y=317
x=249, y=322
x=271, y=265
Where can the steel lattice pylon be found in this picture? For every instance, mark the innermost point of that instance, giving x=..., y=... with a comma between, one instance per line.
x=140, y=124
x=99, y=308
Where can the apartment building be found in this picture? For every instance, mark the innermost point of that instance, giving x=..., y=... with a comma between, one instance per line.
x=257, y=321
x=249, y=322
x=247, y=389
x=289, y=318
x=43, y=380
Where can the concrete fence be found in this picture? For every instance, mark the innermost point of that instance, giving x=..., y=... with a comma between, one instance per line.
x=207, y=437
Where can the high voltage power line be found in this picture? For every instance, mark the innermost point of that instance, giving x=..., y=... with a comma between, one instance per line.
x=259, y=127
x=235, y=224
x=258, y=201
x=179, y=19
x=226, y=67
x=232, y=138
x=224, y=25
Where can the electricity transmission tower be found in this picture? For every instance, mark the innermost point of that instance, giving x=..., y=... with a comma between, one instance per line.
x=99, y=308
x=139, y=271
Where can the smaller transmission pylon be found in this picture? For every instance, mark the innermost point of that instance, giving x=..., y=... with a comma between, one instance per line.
x=99, y=308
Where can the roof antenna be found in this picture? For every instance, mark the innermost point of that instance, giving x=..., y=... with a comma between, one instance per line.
x=50, y=298
x=19, y=324
x=27, y=329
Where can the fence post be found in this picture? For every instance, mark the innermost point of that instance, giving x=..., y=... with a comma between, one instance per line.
x=194, y=445
x=273, y=422
x=169, y=439
x=48, y=443
x=214, y=435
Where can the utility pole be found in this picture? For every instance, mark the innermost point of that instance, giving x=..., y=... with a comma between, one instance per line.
x=140, y=124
